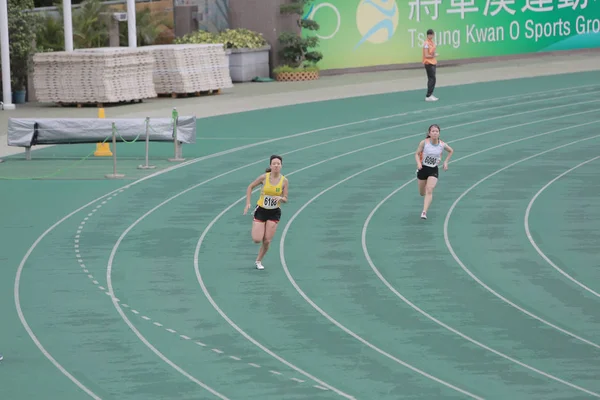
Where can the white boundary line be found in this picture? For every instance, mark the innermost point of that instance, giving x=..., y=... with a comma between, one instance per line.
x=22, y=316
x=427, y=315
x=149, y=345
x=81, y=261
x=205, y=232
x=250, y=338
x=535, y=246
x=331, y=319
x=190, y=162
x=498, y=295
x=113, y=253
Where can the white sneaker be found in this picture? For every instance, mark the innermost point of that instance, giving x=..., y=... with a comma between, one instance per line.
x=423, y=215
x=431, y=98
x=259, y=265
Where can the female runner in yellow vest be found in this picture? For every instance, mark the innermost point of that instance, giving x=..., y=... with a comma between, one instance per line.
x=267, y=212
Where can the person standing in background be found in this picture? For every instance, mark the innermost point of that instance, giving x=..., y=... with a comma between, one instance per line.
x=430, y=63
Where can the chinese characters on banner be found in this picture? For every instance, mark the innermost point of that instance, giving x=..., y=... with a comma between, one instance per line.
x=431, y=8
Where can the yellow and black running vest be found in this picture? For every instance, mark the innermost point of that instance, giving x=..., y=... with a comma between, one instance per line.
x=269, y=191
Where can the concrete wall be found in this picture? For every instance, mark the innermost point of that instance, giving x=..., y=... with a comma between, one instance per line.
x=184, y=21
x=262, y=16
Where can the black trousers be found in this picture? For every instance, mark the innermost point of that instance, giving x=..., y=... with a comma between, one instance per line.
x=430, y=69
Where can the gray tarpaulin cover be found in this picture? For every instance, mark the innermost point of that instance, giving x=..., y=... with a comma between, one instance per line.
x=23, y=132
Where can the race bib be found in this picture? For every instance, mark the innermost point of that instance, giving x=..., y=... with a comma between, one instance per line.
x=430, y=161
x=270, y=203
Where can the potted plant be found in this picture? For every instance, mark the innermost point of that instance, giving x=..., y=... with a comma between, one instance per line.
x=19, y=87
x=300, y=61
x=248, y=51
x=305, y=72
x=249, y=54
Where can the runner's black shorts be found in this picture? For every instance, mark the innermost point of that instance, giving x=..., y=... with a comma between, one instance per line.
x=425, y=172
x=263, y=214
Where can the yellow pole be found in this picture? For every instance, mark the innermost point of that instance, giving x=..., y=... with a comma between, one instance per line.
x=102, y=149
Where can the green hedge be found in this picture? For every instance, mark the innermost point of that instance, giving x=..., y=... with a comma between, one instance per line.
x=231, y=38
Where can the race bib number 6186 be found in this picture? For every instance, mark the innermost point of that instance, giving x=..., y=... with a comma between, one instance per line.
x=270, y=202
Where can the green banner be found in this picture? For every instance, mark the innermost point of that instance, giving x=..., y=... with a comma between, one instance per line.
x=360, y=33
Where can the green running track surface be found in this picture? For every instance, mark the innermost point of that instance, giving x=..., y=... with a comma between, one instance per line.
x=150, y=292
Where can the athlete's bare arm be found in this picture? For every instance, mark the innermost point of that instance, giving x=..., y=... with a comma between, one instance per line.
x=286, y=184
x=418, y=154
x=255, y=183
x=450, y=151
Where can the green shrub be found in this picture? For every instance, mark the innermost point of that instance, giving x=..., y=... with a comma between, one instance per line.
x=296, y=49
x=287, y=68
x=242, y=39
x=198, y=37
x=50, y=34
x=231, y=38
x=22, y=26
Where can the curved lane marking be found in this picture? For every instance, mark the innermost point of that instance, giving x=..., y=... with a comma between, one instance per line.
x=334, y=321
x=205, y=232
x=475, y=278
x=535, y=246
x=427, y=315
x=113, y=253
x=200, y=159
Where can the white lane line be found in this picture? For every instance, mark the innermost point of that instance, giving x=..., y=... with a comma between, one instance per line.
x=137, y=312
x=209, y=226
x=185, y=164
x=535, y=246
x=489, y=289
x=109, y=268
x=156, y=351
x=331, y=319
x=334, y=321
x=430, y=317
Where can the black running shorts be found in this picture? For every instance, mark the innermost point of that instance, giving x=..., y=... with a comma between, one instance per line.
x=425, y=172
x=263, y=215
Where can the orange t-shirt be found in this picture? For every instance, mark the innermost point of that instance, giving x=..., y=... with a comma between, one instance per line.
x=429, y=47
